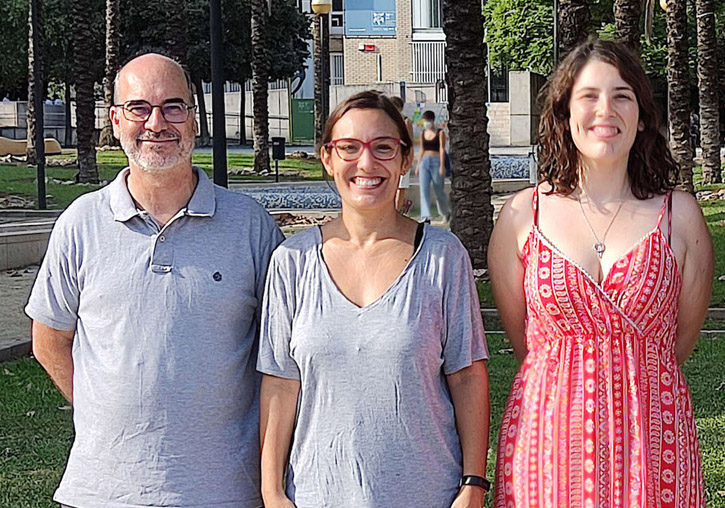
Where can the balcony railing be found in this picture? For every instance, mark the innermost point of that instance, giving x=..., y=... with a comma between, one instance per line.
x=429, y=64
x=337, y=69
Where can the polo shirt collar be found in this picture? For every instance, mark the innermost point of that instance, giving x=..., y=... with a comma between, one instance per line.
x=202, y=203
x=122, y=204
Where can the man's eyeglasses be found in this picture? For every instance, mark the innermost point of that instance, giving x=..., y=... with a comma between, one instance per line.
x=140, y=111
x=349, y=149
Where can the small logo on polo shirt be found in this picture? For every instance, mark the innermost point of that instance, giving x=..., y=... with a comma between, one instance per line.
x=217, y=276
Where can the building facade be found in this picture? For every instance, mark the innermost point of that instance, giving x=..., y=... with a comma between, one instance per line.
x=387, y=41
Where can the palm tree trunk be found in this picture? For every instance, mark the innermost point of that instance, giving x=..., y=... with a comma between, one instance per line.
x=626, y=19
x=85, y=100
x=318, y=85
x=203, y=120
x=472, y=217
x=35, y=80
x=707, y=73
x=66, y=105
x=721, y=91
x=113, y=45
x=260, y=80
x=679, y=91
x=574, y=18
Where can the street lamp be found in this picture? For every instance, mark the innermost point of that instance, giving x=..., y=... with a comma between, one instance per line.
x=322, y=65
x=217, y=93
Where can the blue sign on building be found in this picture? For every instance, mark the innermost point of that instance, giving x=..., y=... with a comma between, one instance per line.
x=370, y=18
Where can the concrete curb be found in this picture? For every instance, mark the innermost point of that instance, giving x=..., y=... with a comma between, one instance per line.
x=15, y=349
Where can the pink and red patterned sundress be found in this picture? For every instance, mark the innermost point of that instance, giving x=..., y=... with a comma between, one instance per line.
x=600, y=415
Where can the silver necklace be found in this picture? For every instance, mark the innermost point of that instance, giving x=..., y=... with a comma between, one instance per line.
x=599, y=246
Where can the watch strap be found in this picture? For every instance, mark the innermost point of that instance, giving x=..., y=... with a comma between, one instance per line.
x=476, y=481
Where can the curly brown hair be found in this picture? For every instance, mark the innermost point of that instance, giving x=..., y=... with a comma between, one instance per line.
x=651, y=167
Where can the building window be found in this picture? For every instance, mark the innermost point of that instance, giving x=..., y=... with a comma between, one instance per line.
x=429, y=61
x=337, y=69
x=498, y=85
x=337, y=18
x=427, y=14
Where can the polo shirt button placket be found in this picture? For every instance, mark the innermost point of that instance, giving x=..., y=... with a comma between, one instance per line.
x=162, y=255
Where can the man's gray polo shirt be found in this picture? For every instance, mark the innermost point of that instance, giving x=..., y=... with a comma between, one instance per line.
x=164, y=383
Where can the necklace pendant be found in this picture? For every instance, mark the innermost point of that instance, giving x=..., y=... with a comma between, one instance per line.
x=599, y=248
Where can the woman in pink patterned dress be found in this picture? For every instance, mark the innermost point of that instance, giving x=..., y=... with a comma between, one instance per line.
x=602, y=275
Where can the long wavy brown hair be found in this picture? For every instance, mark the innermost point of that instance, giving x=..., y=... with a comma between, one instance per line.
x=651, y=167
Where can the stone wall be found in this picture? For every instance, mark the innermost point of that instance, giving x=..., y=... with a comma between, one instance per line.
x=22, y=249
x=499, y=123
x=278, y=107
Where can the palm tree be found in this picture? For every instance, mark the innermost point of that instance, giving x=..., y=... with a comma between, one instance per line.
x=113, y=44
x=260, y=80
x=707, y=73
x=626, y=19
x=678, y=82
x=472, y=218
x=203, y=120
x=176, y=29
x=35, y=79
x=85, y=100
x=574, y=18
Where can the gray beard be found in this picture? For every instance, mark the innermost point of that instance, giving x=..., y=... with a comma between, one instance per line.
x=153, y=162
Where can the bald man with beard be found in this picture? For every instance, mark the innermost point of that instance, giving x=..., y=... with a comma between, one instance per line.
x=145, y=315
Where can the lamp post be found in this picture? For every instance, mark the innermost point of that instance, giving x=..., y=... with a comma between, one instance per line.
x=37, y=70
x=322, y=65
x=217, y=93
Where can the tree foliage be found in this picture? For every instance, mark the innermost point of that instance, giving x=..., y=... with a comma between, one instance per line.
x=144, y=28
x=520, y=37
x=14, y=52
x=519, y=34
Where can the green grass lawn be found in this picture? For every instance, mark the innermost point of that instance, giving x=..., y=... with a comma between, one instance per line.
x=36, y=429
x=19, y=179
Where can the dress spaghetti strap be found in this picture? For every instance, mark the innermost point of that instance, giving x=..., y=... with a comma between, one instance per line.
x=669, y=218
x=666, y=207
x=535, y=205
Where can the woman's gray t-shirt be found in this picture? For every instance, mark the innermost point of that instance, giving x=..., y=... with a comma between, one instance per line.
x=375, y=425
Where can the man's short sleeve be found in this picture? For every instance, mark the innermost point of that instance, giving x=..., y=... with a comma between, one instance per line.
x=465, y=340
x=55, y=295
x=277, y=314
x=270, y=237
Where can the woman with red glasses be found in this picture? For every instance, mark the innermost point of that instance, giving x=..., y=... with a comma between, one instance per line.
x=374, y=391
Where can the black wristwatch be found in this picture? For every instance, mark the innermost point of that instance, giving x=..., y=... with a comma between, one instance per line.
x=476, y=481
